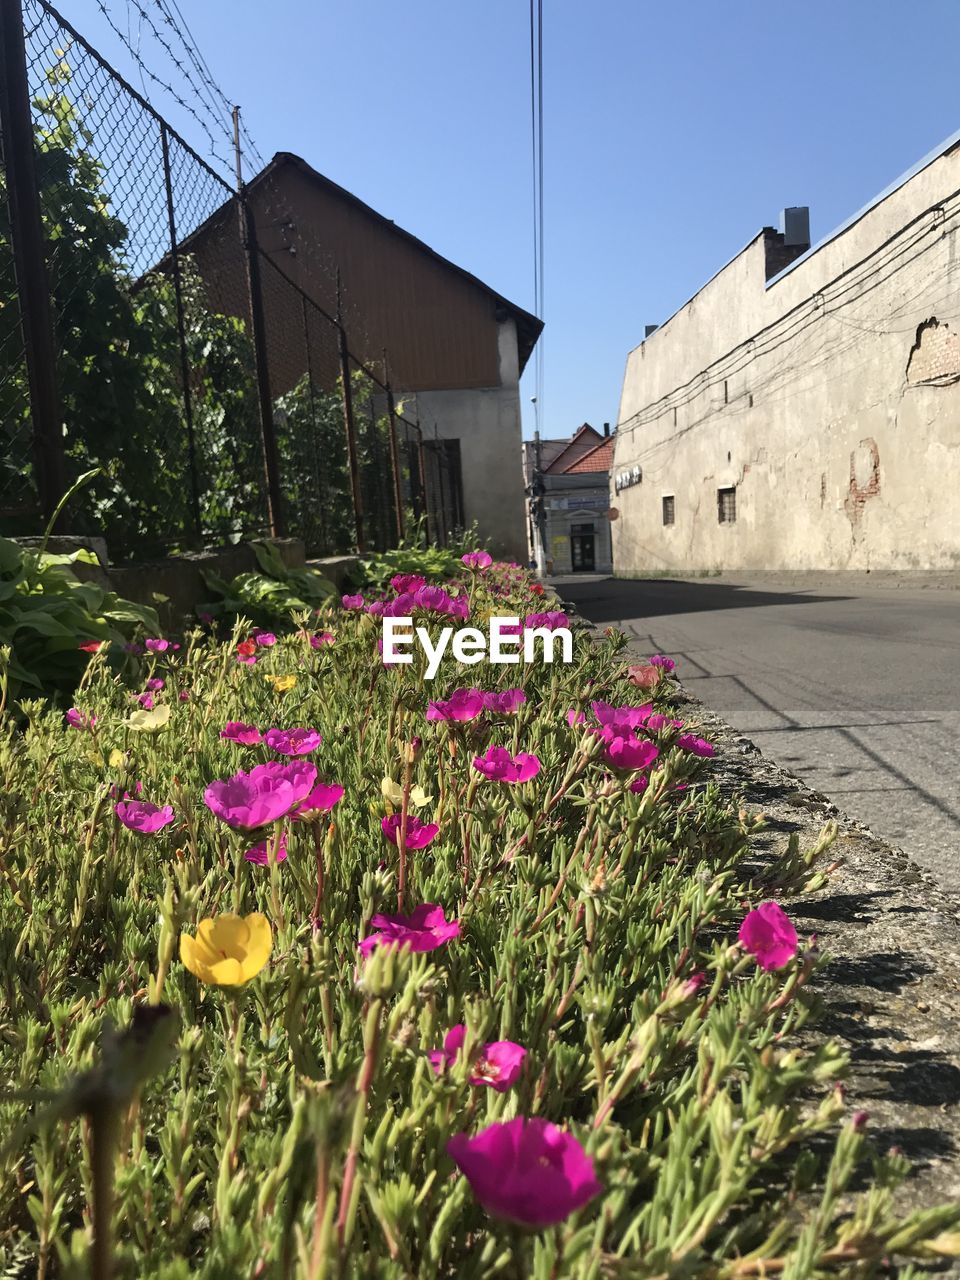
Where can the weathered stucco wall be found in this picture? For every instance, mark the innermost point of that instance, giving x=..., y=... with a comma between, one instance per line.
x=830, y=400
x=486, y=421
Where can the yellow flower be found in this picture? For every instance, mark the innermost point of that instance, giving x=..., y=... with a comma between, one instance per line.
x=393, y=793
x=228, y=950
x=116, y=759
x=282, y=683
x=154, y=719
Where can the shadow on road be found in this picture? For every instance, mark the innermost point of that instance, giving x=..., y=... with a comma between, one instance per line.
x=611, y=599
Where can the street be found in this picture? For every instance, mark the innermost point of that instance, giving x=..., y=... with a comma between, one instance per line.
x=852, y=688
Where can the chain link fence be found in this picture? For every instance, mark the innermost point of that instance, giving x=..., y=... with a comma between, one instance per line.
x=218, y=399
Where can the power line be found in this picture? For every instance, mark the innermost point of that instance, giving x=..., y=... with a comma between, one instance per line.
x=536, y=141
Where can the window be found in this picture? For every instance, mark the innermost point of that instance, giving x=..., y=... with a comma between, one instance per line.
x=727, y=505
x=669, y=509
x=582, y=528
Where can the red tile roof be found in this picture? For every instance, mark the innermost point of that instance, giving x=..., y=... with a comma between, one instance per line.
x=584, y=440
x=599, y=458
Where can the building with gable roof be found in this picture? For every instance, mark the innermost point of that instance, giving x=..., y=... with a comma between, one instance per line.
x=567, y=485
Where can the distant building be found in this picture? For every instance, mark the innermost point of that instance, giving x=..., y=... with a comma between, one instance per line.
x=568, y=525
x=802, y=410
x=455, y=347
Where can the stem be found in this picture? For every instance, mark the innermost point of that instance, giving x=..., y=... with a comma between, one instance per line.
x=105, y=1131
x=371, y=1045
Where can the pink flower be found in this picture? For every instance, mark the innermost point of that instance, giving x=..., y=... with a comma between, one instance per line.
x=552, y=621
x=352, y=602
x=630, y=753
x=432, y=599
x=497, y=1064
x=698, y=746
x=644, y=676
x=639, y=785
x=320, y=800
x=264, y=639
x=376, y=609
x=184, y=695
x=265, y=794
x=575, y=717
x=260, y=853
x=419, y=834
x=619, y=721
x=80, y=720
x=404, y=582
x=140, y=815
x=155, y=684
x=463, y=704
x=500, y=766
x=248, y=735
x=526, y=1170
x=292, y=742
x=768, y=935
x=506, y=703
x=477, y=560
x=660, y=660
x=91, y=646
x=145, y=701
x=656, y=722
x=318, y=641
x=424, y=930
x=157, y=646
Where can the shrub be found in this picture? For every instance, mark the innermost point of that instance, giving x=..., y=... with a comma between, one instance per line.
x=285, y=1093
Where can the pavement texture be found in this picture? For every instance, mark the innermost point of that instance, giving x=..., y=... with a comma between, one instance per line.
x=890, y=990
x=850, y=681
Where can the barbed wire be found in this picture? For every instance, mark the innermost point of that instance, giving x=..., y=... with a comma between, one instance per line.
x=167, y=88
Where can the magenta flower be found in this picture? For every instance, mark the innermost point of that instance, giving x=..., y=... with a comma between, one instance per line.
x=320, y=800
x=500, y=766
x=656, y=722
x=697, y=746
x=407, y=582
x=155, y=684
x=497, y=1064
x=80, y=720
x=639, y=785
x=661, y=660
x=292, y=742
x=769, y=936
x=260, y=853
x=506, y=703
x=477, y=560
x=264, y=795
x=419, y=834
x=617, y=722
x=264, y=639
x=248, y=735
x=157, y=645
x=319, y=640
x=630, y=753
x=376, y=609
x=141, y=816
x=145, y=701
x=184, y=695
x=463, y=704
x=526, y=1170
x=432, y=599
x=552, y=621
x=352, y=602
x=424, y=930
x=575, y=717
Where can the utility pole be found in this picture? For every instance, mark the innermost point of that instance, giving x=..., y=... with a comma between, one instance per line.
x=537, y=491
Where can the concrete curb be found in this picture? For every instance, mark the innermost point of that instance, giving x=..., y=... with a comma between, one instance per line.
x=891, y=990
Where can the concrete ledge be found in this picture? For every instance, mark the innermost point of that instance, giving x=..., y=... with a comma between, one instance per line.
x=336, y=568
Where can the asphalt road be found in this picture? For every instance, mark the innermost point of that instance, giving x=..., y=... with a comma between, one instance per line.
x=854, y=690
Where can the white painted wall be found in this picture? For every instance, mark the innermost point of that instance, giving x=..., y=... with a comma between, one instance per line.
x=486, y=421
x=839, y=459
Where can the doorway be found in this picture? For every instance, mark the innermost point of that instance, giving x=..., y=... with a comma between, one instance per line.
x=583, y=548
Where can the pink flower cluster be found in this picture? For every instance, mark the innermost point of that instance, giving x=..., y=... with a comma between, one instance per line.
x=286, y=742
x=425, y=929
x=419, y=834
x=266, y=794
x=498, y=765
x=468, y=704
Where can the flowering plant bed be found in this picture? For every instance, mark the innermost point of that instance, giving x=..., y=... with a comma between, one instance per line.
x=312, y=967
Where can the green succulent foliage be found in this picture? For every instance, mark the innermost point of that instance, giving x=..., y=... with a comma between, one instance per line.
x=273, y=596
x=46, y=612
x=416, y=555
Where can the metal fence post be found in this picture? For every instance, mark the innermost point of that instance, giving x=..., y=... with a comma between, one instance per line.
x=348, y=422
x=394, y=452
x=258, y=332
x=182, y=335
x=30, y=267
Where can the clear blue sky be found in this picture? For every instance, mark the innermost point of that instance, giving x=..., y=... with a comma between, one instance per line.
x=673, y=132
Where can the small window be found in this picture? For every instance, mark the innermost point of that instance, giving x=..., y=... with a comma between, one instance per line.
x=582, y=528
x=727, y=506
x=669, y=509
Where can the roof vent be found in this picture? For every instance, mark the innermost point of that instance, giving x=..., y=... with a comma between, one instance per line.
x=795, y=226
x=650, y=328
